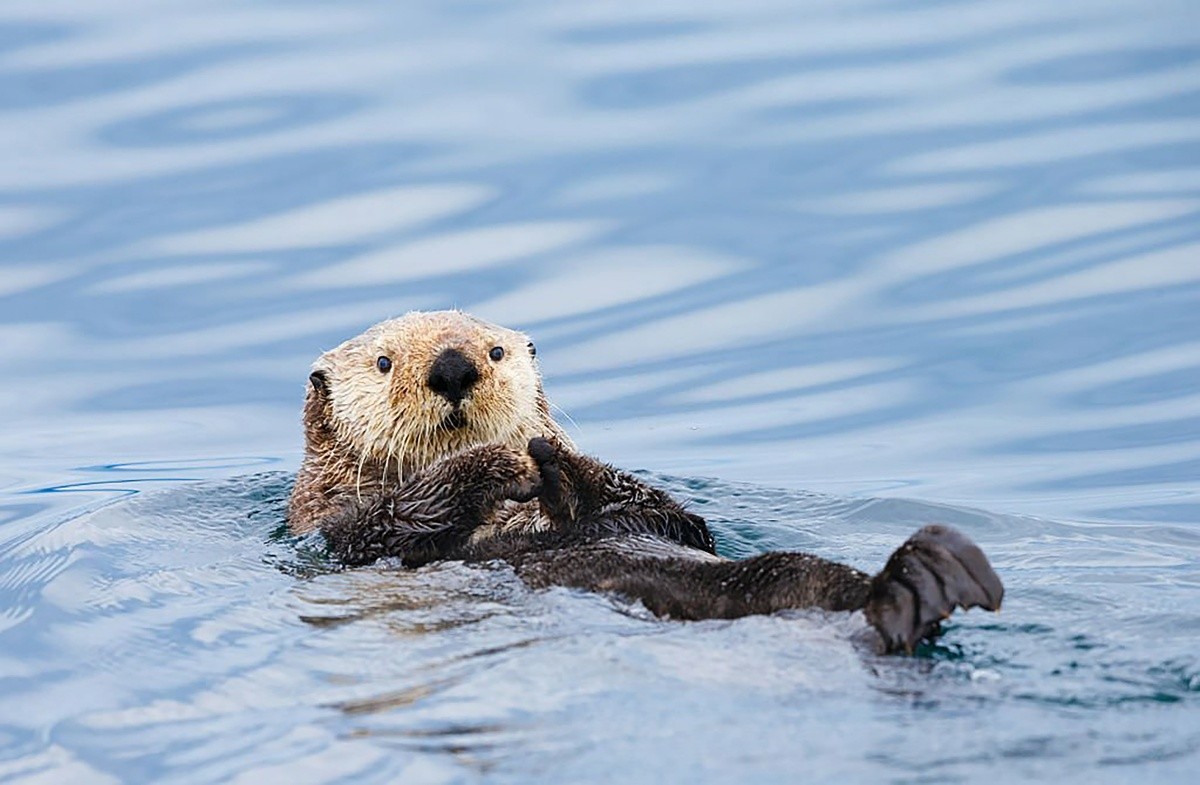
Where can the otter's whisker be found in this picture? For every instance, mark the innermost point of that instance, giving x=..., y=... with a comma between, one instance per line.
x=358, y=478
x=400, y=474
x=564, y=413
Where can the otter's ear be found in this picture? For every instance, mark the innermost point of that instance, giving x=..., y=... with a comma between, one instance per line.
x=316, y=408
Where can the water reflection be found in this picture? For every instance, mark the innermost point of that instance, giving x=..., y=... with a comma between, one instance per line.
x=229, y=119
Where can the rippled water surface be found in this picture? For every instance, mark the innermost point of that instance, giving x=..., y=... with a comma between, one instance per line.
x=828, y=270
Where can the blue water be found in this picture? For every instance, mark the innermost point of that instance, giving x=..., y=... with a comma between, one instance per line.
x=828, y=270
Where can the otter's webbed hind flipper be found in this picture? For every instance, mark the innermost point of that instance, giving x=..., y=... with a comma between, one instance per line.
x=590, y=499
x=435, y=512
x=935, y=571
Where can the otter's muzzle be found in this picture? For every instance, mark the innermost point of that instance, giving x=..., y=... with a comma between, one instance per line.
x=452, y=376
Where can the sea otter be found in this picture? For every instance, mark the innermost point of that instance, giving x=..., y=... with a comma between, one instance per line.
x=429, y=437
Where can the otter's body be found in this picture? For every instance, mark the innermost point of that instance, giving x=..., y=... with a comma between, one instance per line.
x=429, y=437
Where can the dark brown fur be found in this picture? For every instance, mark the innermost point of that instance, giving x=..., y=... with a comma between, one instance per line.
x=612, y=533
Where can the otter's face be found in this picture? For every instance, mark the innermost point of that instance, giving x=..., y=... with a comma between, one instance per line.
x=411, y=390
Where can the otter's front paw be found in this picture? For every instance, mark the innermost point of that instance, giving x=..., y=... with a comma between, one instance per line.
x=500, y=472
x=467, y=486
x=554, y=494
x=937, y=570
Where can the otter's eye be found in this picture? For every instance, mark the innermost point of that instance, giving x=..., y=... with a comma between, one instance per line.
x=532, y=349
x=384, y=364
x=497, y=353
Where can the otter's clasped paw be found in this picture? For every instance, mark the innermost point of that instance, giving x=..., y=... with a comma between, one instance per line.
x=525, y=490
x=545, y=453
x=935, y=571
x=508, y=473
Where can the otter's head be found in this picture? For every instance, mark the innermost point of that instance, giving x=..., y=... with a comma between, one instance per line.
x=411, y=390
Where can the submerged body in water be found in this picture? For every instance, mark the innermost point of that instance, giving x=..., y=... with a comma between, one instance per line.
x=445, y=394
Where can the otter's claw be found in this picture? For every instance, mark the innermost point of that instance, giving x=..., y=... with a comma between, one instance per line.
x=937, y=570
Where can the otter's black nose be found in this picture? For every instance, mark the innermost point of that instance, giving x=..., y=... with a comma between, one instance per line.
x=452, y=376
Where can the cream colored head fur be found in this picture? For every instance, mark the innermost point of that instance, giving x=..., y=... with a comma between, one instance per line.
x=372, y=422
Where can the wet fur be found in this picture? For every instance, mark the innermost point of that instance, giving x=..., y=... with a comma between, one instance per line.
x=561, y=518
